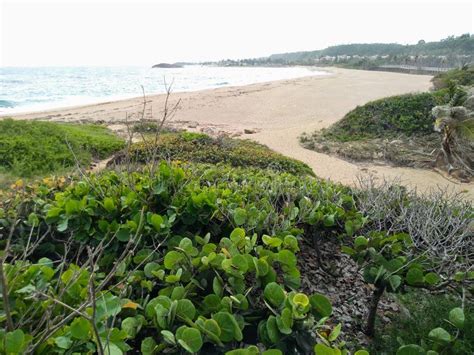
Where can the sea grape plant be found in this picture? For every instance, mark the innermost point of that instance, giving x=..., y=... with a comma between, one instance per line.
x=440, y=340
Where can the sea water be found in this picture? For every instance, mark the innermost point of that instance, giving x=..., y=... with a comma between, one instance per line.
x=25, y=89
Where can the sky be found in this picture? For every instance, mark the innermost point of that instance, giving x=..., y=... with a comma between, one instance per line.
x=145, y=32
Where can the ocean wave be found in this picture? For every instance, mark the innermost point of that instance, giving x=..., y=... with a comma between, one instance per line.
x=7, y=104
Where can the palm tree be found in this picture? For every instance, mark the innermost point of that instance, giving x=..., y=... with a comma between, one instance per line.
x=456, y=124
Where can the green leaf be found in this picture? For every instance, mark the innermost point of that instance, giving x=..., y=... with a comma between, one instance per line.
x=251, y=350
x=108, y=305
x=439, y=335
x=285, y=321
x=322, y=349
x=213, y=327
x=148, y=346
x=394, y=281
x=237, y=235
x=80, y=328
x=272, y=352
x=361, y=352
x=150, y=268
x=156, y=221
x=230, y=329
x=321, y=304
x=414, y=276
x=217, y=287
x=335, y=332
x=240, y=262
x=272, y=329
x=190, y=339
x=240, y=216
x=123, y=234
x=130, y=325
x=172, y=258
x=168, y=337
x=14, y=342
x=109, y=204
x=410, y=349
x=273, y=242
x=185, y=309
x=300, y=299
x=456, y=316
x=275, y=294
x=63, y=342
x=261, y=267
x=432, y=279
x=287, y=258
x=361, y=243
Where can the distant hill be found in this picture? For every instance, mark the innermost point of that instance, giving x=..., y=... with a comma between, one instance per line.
x=449, y=52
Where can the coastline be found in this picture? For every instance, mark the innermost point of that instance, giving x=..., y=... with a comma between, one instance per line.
x=278, y=112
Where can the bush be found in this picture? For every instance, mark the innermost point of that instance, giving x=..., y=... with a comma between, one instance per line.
x=29, y=148
x=190, y=258
x=201, y=148
x=405, y=114
x=462, y=76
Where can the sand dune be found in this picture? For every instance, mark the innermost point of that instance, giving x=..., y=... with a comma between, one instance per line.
x=279, y=112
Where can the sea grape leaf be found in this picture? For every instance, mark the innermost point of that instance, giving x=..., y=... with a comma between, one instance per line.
x=230, y=329
x=190, y=339
x=80, y=328
x=274, y=294
x=321, y=304
x=439, y=335
x=456, y=316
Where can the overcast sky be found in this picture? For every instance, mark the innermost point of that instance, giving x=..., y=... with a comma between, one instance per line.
x=143, y=32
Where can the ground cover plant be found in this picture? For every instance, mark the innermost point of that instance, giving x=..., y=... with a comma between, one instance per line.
x=199, y=258
x=181, y=256
x=201, y=148
x=32, y=148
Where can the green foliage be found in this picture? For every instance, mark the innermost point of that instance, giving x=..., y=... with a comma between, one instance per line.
x=440, y=340
x=200, y=148
x=214, y=259
x=422, y=313
x=29, y=148
x=461, y=76
x=405, y=114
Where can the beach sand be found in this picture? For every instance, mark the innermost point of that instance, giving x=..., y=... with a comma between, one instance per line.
x=278, y=112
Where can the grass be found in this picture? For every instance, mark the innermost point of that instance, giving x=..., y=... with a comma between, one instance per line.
x=33, y=148
x=423, y=312
x=201, y=148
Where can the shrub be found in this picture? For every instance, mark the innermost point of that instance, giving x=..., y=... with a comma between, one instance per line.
x=201, y=148
x=29, y=148
x=405, y=114
x=461, y=76
x=199, y=258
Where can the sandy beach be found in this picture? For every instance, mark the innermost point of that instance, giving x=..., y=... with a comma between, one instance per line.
x=277, y=112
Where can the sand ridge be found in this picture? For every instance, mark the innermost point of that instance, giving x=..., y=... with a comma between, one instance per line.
x=278, y=112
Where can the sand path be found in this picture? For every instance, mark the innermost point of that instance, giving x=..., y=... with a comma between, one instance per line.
x=279, y=112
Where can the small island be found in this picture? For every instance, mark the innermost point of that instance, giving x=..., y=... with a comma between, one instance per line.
x=168, y=65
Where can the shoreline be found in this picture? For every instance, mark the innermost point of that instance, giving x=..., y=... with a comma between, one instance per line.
x=277, y=113
x=321, y=72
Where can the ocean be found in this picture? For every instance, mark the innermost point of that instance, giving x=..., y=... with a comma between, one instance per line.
x=25, y=89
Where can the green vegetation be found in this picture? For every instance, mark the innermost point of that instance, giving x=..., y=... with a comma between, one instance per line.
x=463, y=76
x=196, y=251
x=449, y=52
x=32, y=148
x=201, y=148
x=191, y=258
x=404, y=114
x=422, y=313
x=401, y=129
